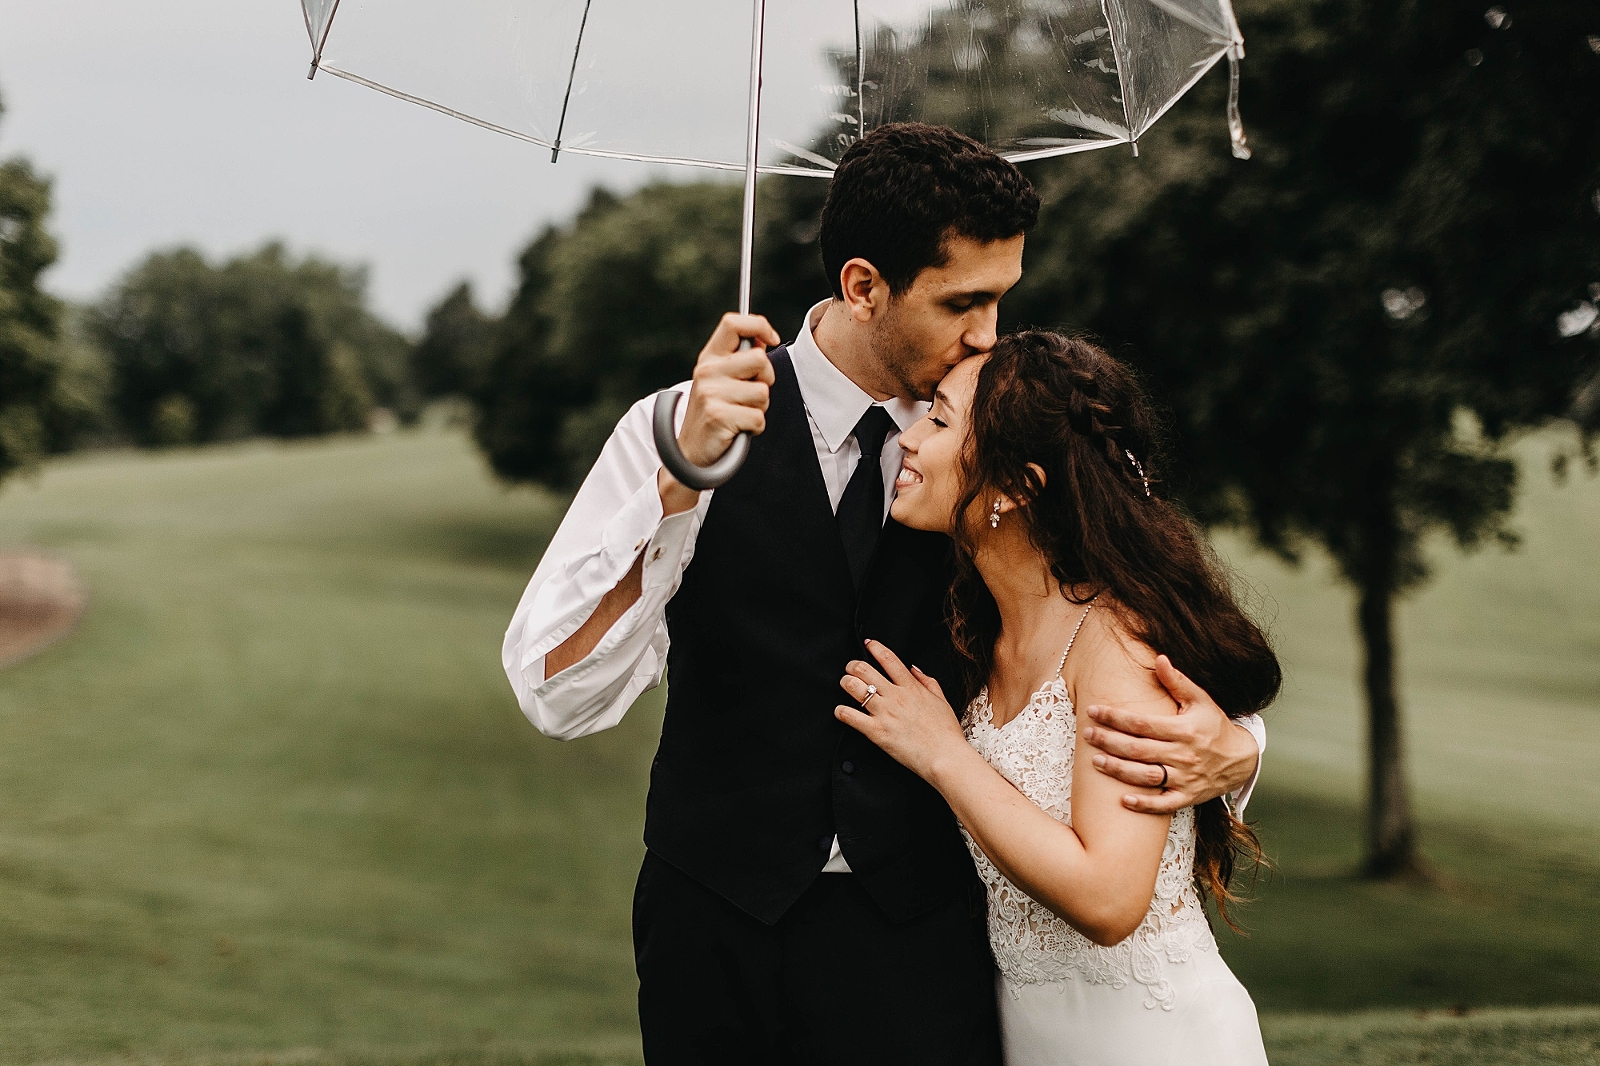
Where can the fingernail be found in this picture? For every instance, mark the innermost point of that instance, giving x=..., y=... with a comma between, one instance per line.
x=1100, y=762
x=1091, y=735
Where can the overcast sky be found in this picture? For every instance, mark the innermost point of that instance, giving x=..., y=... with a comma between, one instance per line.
x=168, y=122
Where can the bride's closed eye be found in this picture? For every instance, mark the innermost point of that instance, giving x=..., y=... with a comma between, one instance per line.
x=938, y=422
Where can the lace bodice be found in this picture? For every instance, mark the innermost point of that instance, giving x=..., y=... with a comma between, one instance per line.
x=1031, y=945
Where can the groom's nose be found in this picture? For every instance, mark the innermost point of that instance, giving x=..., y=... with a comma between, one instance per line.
x=984, y=330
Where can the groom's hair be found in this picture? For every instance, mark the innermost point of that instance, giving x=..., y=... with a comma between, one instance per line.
x=902, y=190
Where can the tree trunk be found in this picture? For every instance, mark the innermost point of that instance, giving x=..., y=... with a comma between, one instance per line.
x=1391, y=829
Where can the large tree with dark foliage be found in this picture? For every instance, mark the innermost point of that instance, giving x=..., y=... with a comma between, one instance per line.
x=29, y=318
x=1349, y=325
x=262, y=344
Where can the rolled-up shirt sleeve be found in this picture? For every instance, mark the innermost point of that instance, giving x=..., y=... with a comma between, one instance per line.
x=615, y=517
x=1252, y=724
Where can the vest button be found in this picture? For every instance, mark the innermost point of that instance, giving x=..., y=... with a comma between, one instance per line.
x=848, y=767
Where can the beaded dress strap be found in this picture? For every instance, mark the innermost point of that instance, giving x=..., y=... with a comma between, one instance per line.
x=1062, y=665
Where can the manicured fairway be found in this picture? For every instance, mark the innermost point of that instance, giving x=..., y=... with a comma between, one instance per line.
x=274, y=802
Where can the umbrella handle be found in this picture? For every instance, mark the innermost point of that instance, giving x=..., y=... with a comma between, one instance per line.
x=672, y=457
x=666, y=423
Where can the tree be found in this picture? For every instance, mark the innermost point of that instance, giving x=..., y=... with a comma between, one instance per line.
x=618, y=304
x=29, y=317
x=607, y=310
x=456, y=346
x=259, y=345
x=1350, y=325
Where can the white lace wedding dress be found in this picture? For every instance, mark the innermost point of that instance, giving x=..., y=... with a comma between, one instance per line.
x=1162, y=996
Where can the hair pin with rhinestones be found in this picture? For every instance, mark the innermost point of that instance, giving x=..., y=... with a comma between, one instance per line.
x=1140, y=468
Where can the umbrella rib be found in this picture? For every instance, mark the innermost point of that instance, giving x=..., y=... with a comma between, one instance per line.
x=861, y=112
x=571, y=74
x=316, y=58
x=1122, y=81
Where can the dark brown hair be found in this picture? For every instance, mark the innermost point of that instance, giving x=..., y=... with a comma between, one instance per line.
x=904, y=188
x=1099, y=518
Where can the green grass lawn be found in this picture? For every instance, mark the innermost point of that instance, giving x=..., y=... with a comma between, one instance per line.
x=274, y=801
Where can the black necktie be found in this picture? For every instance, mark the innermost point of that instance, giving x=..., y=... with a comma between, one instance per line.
x=860, y=510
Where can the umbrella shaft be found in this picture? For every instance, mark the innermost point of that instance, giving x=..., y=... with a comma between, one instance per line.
x=752, y=145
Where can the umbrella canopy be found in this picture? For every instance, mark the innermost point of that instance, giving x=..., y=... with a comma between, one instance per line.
x=663, y=81
x=666, y=82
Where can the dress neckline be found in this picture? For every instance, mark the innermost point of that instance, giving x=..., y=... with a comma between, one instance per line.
x=1050, y=682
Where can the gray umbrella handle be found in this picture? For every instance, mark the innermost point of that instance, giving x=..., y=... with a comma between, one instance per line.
x=696, y=477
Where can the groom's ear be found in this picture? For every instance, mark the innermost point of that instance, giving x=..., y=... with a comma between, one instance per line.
x=865, y=291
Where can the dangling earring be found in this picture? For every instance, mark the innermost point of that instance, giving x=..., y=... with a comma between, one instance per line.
x=994, y=516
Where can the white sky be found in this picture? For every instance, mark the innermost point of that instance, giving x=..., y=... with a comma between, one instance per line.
x=168, y=122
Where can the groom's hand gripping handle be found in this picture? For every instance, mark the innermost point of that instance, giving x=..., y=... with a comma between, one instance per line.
x=728, y=397
x=1203, y=752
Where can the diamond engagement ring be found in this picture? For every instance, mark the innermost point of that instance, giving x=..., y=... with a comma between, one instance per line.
x=872, y=690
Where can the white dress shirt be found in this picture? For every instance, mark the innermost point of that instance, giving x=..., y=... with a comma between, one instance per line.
x=617, y=514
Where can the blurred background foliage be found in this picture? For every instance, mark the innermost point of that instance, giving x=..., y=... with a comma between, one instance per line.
x=261, y=345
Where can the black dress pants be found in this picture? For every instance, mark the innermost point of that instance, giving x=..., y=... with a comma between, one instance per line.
x=834, y=981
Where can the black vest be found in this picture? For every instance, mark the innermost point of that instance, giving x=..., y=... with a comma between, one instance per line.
x=754, y=775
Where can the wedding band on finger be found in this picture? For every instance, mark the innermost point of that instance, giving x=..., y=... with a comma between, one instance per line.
x=872, y=690
x=1163, y=785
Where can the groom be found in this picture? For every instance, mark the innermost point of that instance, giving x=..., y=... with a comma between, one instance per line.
x=803, y=898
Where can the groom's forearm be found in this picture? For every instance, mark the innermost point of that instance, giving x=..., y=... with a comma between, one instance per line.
x=675, y=499
x=613, y=605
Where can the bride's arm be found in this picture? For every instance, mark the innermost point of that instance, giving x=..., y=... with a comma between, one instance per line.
x=1098, y=874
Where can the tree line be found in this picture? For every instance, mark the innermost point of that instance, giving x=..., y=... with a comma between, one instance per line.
x=1348, y=328
x=182, y=350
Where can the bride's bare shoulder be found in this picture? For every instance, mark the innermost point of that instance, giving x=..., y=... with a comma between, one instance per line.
x=1110, y=664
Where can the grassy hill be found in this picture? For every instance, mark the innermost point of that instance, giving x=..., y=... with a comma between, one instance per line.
x=274, y=802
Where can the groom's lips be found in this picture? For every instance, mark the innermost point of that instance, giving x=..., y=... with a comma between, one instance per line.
x=907, y=477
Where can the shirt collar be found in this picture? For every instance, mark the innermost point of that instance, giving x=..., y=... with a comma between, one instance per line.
x=834, y=402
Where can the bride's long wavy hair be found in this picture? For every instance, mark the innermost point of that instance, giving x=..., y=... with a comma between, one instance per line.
x=1101, y=520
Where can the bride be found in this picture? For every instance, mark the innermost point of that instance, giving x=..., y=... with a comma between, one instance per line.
x=1036, y=459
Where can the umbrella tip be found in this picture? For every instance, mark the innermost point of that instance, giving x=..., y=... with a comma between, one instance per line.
x=555, y=152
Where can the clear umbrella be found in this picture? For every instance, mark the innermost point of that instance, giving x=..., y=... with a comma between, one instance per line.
x=666, y=82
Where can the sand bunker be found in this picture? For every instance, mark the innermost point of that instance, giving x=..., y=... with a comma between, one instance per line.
x=41, y=600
